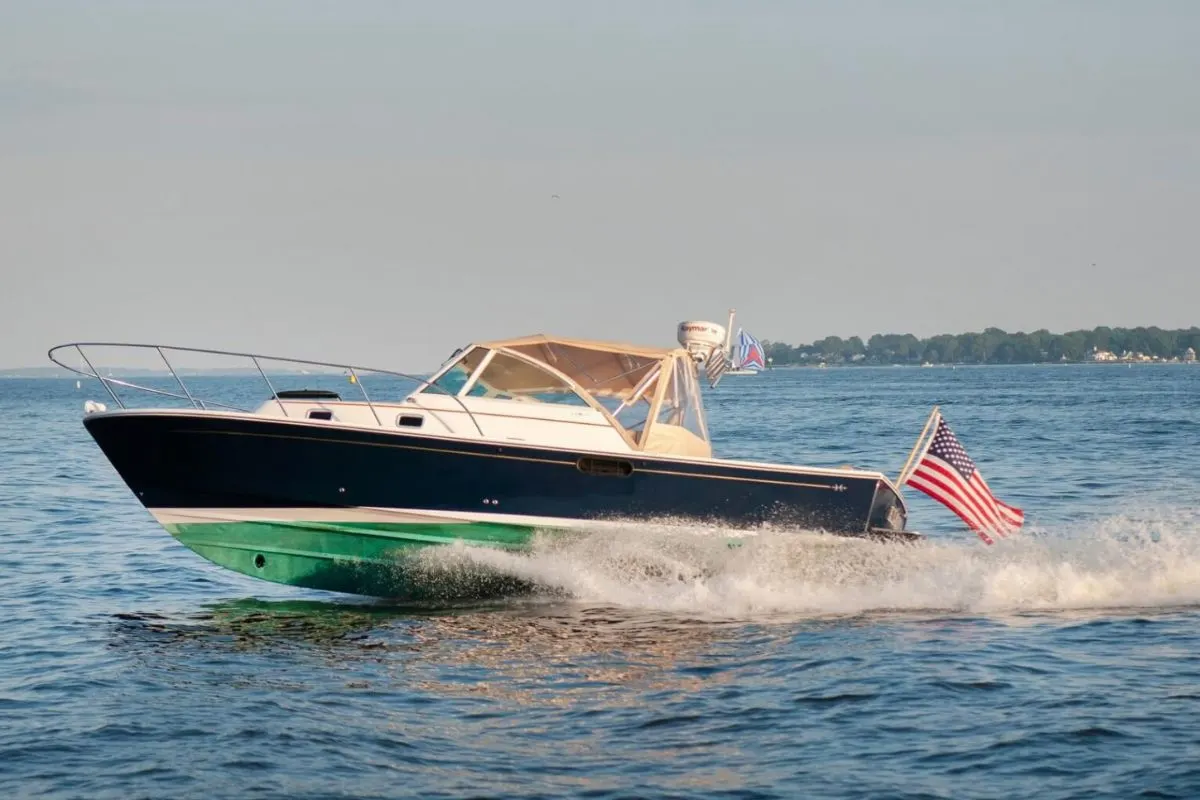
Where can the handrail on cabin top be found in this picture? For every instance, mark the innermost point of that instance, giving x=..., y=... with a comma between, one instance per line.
x=200, y=403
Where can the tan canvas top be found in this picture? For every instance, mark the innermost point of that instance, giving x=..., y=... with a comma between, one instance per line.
x=628, y=384
x=523, y=342
x=603, y=369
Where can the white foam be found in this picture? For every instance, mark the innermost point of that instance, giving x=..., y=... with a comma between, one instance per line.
x=1123, y=561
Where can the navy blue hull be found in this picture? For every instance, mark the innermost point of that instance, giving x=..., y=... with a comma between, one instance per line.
x=201, y=461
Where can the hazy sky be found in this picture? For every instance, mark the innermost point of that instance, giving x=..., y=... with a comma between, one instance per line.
x=373, y=180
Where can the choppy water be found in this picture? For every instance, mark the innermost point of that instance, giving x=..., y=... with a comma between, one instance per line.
x=658, y=662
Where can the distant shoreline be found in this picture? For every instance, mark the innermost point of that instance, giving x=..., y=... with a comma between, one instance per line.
x=994, y=346
x=990, y=347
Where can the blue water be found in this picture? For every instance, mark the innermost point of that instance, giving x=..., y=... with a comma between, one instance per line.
x=1064, y=662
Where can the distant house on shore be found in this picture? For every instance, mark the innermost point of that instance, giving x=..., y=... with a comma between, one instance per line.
x=1100, y=355
x=1189, y=355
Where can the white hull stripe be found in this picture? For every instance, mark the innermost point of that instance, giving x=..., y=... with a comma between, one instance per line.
x=183, y=516
x=406, y=516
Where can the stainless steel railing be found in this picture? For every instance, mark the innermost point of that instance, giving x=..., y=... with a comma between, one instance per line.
x=56, y=355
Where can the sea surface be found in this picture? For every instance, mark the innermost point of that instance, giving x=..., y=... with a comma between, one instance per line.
x=658, y=662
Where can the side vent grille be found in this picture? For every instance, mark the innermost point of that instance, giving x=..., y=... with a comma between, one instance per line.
x=613, y=467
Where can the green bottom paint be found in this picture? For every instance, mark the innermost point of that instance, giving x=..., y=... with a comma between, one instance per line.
x=366, y=558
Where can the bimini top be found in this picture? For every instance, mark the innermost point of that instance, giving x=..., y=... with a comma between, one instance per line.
x=602, y=368
x=651, y=395
x=583, y=344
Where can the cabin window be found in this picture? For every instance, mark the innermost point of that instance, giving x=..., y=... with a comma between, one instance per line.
x=508, y=378
x=320, y=413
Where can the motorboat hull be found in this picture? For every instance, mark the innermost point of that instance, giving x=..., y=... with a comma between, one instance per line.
x=345, y=509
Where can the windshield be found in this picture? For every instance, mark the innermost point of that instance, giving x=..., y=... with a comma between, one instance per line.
x=506, y=377
x=623, y=384
x=499, y=376
x=452, y=380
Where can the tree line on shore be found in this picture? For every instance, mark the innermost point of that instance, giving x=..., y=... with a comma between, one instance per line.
x=991, y=346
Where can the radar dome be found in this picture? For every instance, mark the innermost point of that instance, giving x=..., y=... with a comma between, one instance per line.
x=701, y=338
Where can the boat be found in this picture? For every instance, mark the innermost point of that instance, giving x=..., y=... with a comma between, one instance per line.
x=506, y=441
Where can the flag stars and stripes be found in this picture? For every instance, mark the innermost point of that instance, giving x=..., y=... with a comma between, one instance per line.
x=947, y=474
x=946, y=447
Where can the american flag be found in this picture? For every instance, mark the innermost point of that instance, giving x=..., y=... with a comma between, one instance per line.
x=947, y=474
x=715, y=365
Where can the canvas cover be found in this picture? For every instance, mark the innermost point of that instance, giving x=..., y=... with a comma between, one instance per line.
x=603, y=369
x=650, y=394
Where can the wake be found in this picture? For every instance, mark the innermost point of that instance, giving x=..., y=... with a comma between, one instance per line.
x=1118, y=562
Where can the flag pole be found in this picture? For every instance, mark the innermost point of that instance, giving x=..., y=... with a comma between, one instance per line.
x=920, y=440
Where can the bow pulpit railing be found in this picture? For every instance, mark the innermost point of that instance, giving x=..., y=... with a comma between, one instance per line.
x=261, y=364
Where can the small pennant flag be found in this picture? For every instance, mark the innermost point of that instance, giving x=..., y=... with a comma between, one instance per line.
x=947, y=474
